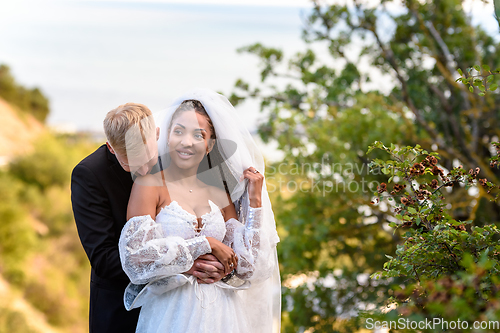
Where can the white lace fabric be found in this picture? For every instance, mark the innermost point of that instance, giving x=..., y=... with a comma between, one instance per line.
x=150, y=250
x=248, y=244
x=157, y=252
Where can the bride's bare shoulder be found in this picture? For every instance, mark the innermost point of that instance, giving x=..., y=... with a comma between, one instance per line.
x=149, y=180
x=145, y=196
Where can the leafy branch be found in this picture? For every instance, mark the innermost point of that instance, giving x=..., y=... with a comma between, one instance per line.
x=482, y=78
x=437, y=249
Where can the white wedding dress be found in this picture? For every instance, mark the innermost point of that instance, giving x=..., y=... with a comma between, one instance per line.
x=155, y=253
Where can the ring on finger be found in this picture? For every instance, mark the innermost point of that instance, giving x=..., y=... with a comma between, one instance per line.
x=256, y=171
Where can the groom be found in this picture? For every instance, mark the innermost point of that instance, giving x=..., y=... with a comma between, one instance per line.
x=100, y=189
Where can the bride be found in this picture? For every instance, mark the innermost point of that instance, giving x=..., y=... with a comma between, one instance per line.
x=210, y=197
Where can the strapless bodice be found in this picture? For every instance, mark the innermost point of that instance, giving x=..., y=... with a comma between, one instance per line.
x=176, y=221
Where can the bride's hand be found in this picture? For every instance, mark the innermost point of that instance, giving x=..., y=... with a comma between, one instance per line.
x=224, y=253
x=255, y=183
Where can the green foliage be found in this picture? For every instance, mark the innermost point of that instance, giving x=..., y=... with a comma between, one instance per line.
x=46, y=174
x=453, y=266
x=13, y=321
x=484, y=80
x=316, y=196
x=51, y=302
x=28, y=100
x=327, y=108
x=50, y=164
x=270, y=57
x=17, y=238
x=46, y=166
x=434, y=243
x=39, y=248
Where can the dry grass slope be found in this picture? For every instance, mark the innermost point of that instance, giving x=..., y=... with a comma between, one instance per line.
x=14, y=300
x=17, y=131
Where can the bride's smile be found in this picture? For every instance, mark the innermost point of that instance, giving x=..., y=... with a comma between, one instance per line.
x=185, y=154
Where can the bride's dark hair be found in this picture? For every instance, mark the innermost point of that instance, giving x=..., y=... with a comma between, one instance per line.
x=213, y=158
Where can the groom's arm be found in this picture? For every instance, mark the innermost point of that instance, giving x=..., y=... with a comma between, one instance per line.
x=95, y=224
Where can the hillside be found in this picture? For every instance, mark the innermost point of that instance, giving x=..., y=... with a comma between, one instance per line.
x=44, y=272
x=20, y=310
x=17, y=132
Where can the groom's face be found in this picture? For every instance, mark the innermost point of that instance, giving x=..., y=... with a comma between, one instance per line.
x=142, y=160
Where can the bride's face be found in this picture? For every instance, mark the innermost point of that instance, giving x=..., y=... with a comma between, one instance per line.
x=189, y=139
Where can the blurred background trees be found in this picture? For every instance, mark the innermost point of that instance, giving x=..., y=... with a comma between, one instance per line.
x=44, y=272
x=31, y=101
x=41, y=259
x=374, y=70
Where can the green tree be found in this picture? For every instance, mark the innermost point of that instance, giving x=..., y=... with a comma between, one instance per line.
x=17, y=237
x=28, y=100
x=452, y=266
x=13, y=321
x=50, y=163
x=389, y=74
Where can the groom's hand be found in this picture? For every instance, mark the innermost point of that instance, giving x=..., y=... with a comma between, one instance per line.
x=207, y=269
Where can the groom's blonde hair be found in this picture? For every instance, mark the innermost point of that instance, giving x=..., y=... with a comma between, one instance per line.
x=128, y=127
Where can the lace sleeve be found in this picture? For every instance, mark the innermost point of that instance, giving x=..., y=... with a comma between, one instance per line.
x=250, y=246
x=147, y=255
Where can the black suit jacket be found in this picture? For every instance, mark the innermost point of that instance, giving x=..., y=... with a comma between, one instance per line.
x=100, y=190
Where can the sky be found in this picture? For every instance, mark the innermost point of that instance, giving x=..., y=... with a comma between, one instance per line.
x=90, y=56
